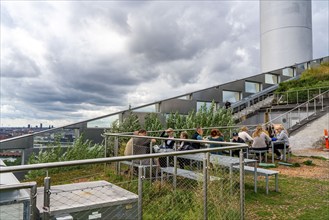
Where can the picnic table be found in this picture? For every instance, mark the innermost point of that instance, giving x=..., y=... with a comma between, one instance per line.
x=224, y=161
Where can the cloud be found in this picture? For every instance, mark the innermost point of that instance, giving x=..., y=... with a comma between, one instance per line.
x=68, y=61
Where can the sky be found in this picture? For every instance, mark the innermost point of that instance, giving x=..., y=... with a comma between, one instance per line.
x=67, y=61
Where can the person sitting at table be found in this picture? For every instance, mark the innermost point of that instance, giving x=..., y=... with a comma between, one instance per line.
x=197, y=136
x=216, y=135
x=183, y=145
x=260, y=139
x=281, y=135
x=236, y=139
x=243, y=134
x=142, y=145
x=169, y=133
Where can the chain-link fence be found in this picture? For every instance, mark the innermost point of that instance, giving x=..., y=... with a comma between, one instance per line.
x=192, y=185
x=17, y=201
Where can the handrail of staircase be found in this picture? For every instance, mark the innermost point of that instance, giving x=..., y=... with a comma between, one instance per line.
x=298, y=106
x=266, y=91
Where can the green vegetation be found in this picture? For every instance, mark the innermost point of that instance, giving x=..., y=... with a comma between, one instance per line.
x=311, y=83
x=314, y=77
x=81, y=149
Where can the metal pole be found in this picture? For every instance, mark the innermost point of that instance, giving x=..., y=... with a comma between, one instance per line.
x=307, y=111
x=46, y=198
x=297, y=98
x=287, y=98
x=298, y=115
x=116, y=149
x=140, y=192
x=314, y=106
x=105, y=151
x=33, y=197
x=175, y=172
x=151, y=162
x=205, y=184
x=241, y=185
x=322, y=103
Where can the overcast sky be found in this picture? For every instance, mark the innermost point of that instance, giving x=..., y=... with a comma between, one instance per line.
x=66, y=61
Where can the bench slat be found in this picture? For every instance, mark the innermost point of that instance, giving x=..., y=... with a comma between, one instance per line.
x=187, y=174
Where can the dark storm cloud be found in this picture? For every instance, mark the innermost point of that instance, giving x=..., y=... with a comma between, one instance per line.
x=18, y=64
x=65, y=59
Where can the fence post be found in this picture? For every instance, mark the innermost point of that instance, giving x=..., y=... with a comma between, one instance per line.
x=241, y=165
x=116, y=150
x=151, y=162
x=33, y=197
x=46, y=198
x=205, y=184
x=140, y=192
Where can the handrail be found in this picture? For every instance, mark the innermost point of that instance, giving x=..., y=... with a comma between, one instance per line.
x=269, y=122
x=237, y=146
x=311, y=88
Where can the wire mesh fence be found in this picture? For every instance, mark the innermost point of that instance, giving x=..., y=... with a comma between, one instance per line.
x=190, y=185
x=17, y=201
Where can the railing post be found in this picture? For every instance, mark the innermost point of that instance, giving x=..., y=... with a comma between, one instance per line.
x=241, y=185
x=33, y=205
x=307, y=110
x=140, y=192
x=287, y=98
x=151, y=162
x=298, y=115
x=116, y=150
x=297, y=98
x=46, y=198
x=314, y=106
x=322, y=103
x=205, y=189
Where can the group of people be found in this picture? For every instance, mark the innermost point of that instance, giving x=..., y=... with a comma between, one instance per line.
x=259, y=140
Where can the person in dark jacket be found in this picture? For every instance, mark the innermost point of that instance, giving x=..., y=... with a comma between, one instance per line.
x=197, y=136
x=169, y=133
x=236, y=139
x=184, y=145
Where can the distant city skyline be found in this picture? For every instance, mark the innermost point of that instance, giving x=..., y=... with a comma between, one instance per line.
x=67, y=61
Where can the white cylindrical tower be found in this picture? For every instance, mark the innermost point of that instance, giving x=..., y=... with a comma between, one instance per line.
x=286, y=33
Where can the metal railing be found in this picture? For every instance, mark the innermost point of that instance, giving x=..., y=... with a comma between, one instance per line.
x=14, y=205
x=298, y=96
x=301, y=112
x=215, y=193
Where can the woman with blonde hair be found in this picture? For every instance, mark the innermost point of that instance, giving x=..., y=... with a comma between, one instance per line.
x=261, y=139
x=243, y=134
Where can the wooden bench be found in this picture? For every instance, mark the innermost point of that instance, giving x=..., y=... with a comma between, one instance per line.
x=185, y=173
x=262, y=172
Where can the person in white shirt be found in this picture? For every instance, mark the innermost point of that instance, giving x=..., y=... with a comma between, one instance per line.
x=243, y=134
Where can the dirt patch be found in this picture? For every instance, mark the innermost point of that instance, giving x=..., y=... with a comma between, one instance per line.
x=319, y=168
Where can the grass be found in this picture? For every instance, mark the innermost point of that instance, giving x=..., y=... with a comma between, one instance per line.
x=298, y=198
